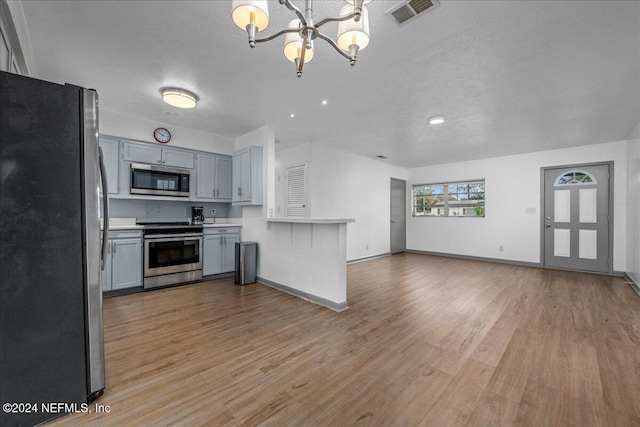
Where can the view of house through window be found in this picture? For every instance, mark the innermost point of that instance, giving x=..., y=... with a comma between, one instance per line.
x=449, y=199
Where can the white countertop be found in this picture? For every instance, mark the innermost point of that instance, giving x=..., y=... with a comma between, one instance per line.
x=312, y=220
x=125, y=227
x=116, y=224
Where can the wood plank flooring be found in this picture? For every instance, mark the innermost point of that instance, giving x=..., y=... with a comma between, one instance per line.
x=427, y=341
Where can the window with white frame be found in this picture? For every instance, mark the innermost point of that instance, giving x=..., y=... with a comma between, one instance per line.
x=463, y=199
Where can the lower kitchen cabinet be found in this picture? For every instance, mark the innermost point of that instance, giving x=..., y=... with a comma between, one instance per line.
x=123, y=266
x=219, y=250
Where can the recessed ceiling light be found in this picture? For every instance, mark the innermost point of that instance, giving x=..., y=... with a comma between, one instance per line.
x=180, y=98
x=437, y=120
x=324, y=102
x=292, y=115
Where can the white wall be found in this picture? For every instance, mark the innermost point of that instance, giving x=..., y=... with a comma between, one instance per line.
x=633, y=205
x=512, y=184
x=123, y=126
x=345, y=185
x=24, y=38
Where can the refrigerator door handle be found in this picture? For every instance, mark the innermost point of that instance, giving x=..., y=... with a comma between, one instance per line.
x=105, y=205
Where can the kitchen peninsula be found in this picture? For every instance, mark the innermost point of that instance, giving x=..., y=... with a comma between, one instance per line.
x=306, y=257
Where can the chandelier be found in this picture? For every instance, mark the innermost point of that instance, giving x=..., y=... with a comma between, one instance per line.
x=353, y=29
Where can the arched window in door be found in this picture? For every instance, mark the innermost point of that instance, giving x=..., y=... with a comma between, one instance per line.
x=575, y=177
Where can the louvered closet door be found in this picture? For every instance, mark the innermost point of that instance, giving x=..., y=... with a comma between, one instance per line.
x=296, y=182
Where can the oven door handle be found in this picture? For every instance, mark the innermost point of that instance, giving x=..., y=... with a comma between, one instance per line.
x=170, y=237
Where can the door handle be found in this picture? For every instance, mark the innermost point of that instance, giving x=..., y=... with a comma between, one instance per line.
x=547, y=226
x=393, y=221
x=105, y=207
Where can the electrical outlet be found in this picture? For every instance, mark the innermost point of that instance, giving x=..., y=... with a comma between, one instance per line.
x=500, y=248
x=366, y=247
x=529, y=211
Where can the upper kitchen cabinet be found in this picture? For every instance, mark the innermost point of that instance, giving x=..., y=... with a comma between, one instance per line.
x=223, y=178
x=179, y=159
x=213, y=177
x=111, y=157
x=147, y=153
x=247, y=176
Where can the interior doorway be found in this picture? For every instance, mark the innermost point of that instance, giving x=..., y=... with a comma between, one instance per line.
x=398, y=215
x=577, y=217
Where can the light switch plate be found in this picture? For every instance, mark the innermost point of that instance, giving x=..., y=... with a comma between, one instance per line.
x=529, y=211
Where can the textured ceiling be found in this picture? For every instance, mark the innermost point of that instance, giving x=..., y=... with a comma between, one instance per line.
x=509, y=76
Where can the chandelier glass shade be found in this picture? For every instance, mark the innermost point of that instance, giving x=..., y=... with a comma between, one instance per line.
x=353, y=29
x=293, y=44
x=251, y=11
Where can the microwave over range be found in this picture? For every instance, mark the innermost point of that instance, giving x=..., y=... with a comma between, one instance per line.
x=159, y=180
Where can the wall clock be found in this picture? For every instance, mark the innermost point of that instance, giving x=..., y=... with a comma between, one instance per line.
x=162, y=135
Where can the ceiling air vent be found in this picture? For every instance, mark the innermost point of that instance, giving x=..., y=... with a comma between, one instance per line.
x=410, y=9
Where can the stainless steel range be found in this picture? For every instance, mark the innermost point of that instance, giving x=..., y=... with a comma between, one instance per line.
x=172, y=253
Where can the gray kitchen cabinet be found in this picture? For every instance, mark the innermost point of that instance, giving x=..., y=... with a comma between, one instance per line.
x=111, y=156
x=213, y=177
x=123, y=265
x=148, y=153
x=177, y=158
x=212, y=255
x=205, y=176
x=229, y=251
x=219, y=250
x=105, y=275
x=126, y=263
x=141, y=153
x=247, y=176
x=223, y=178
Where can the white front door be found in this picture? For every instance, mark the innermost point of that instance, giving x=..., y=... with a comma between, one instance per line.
x=576, y=218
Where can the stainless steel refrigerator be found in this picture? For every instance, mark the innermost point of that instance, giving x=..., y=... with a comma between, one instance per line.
x=51, y=181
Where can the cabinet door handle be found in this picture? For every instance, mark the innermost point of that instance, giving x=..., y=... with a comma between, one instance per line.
x=114, y=247
x=160, y=161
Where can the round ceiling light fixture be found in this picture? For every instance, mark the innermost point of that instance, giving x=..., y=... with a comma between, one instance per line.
x=180, y=98
x=436, y=120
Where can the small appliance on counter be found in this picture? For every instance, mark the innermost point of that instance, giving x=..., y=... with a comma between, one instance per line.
x=197, y=215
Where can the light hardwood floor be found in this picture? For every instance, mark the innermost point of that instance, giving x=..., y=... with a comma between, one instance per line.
x=427, y=341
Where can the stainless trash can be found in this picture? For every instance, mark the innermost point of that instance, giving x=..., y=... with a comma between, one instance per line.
x=246, y=255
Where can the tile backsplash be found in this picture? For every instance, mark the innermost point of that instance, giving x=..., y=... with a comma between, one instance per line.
x=128, y=208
